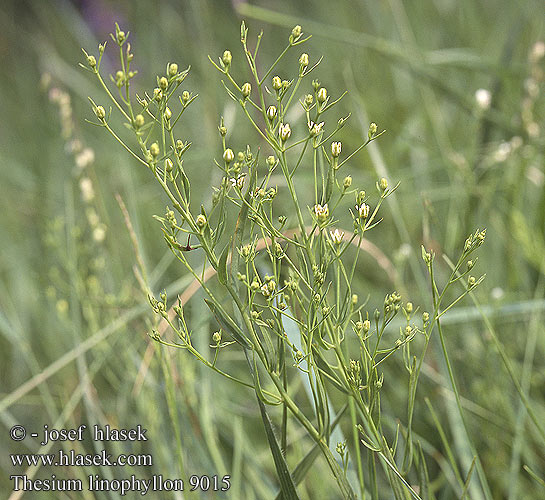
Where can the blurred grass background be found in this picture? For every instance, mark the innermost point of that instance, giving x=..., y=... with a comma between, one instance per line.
x=73, y=320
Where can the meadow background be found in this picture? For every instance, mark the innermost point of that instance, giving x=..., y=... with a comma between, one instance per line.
x=73, y=318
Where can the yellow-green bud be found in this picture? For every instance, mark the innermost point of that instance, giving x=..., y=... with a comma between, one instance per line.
x=347, y=182
x=372, y=130
x=383, y=184
x=163, y=83
x=471, y=281
x=336, y=149
x=227, y=58
x=276, y=83
x=425, y=317
x=222, y=130
x=185, y=96
x=100, y=112
x=271, y=112
x=216, y=337
x=228, y=155
x=366, y=326
x=157, y=93
x=308, y=100
x=119, y=75
x=354, y=299
x=120, y=36
x=172, y=69
x=154, y=149
x=91, y=61
x=200, y=221
x=169, y=165
x=246, y=90
x=139, y=121
x=409, y=307
x=322, y=95
x=271, y=160
x=168, y=113
x=296, y=32
x=303, y=60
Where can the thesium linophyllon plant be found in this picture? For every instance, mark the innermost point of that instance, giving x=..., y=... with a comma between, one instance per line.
x=284, y=292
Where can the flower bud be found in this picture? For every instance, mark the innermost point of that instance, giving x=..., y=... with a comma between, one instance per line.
x=157, y=94
x=336, y=149
x=163, y=83
x=139, y=121
x=271, y=112
x=308, y=101
x=172, y=69
x=315, y=85
x=354, y=299
x=425, y=317
x=168, y=113
x=471, y=281
x=347, y=182
x=216, y=337
x=185, y=97
x=120, y=37
x=227, y=58
x=295, y=33
x=228, y=155
x=154, y=150
x=372, y=130
x=91, y=61
x=276, y=83
x=383, y=184
x=246, y=90
x=303, y=60
x=366, y=326
x=100, y=112
x=271, y=160
x=322, y=95
x=222, y=130
x=284, y=131
x=409, y=307
x=200, y=221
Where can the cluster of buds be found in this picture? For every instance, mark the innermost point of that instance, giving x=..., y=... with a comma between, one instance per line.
x=361, y=327
x=354, y=371
x=392, y=303
x=268, y=288
x=247, y=252
x=159, y=306
x=474, y=240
